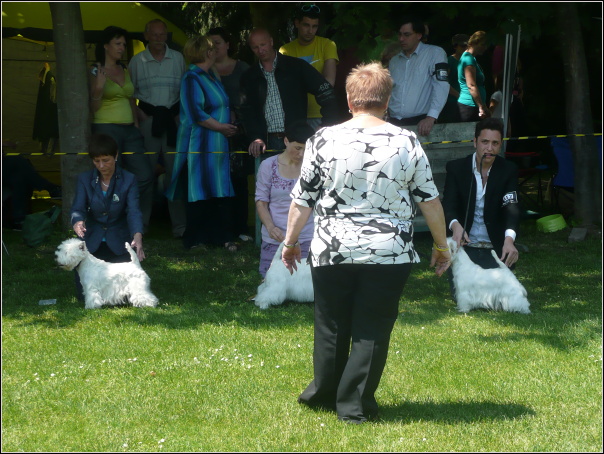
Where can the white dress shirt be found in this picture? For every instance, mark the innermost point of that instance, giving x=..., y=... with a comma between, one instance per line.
x=416, y=90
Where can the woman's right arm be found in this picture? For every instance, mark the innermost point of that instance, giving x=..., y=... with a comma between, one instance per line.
x=79, y=208
x=470, y=75
x=435, y=218
x=296, y=220
x=263, y=196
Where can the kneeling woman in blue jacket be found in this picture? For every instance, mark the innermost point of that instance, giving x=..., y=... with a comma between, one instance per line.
x=105, y=212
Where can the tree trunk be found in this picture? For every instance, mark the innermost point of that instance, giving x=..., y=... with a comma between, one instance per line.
x=72, y=97
x=587, y=168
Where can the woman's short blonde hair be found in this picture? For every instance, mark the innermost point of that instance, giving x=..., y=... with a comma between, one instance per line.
x=478, y=37
x=368, y=86
x=196, y=49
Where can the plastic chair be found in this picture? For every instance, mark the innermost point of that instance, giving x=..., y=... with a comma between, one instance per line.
x=564, y=177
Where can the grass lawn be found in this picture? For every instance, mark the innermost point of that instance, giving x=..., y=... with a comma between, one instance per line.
x=208, y=371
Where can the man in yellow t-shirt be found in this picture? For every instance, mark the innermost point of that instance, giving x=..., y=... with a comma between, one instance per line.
x=319, y=52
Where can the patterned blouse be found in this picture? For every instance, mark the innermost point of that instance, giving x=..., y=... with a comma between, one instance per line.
x=363, y=183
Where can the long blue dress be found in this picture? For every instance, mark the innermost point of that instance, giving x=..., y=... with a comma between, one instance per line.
x=205, y=152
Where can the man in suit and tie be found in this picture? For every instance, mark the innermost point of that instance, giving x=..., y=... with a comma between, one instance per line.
x=481, y=201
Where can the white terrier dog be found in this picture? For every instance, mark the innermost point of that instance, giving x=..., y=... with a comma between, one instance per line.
x=476, y=287
x=106, y=283
x=280, y=286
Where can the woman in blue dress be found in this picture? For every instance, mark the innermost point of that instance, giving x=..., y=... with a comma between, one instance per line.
x=201, y=169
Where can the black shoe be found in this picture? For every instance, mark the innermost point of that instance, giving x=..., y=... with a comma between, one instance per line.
x=352, y=421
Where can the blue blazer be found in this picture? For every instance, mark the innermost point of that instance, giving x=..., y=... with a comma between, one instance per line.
x=116, y=217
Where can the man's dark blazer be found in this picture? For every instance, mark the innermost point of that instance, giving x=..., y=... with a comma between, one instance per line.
x=501, y=210
x=295, y=79
x=116, y=217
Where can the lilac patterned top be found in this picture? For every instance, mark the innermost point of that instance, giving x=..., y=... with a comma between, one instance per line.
x=362, y=183
x=272, y=188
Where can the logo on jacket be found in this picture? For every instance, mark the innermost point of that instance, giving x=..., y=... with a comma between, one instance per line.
x=116, y=198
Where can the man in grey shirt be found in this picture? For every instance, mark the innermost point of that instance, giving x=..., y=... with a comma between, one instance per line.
x=156, y=74
x=420, y=78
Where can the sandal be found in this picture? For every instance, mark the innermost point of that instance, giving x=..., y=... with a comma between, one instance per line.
x=232, y=246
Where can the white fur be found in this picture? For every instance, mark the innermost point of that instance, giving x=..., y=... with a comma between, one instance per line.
x=479, y=288
x=280, y=286
x=105, y=283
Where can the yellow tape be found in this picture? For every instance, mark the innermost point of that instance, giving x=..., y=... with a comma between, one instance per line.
x=276, y=151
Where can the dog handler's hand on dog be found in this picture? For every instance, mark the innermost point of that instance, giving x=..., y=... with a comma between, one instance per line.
x=137, y=244
x=509, y=253
x=79, y=228
x=460, y=236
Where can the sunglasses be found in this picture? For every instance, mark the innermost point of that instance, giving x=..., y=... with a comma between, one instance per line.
x=311, y=8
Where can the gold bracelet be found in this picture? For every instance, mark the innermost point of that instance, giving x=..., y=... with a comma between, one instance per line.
x=291, y=245
x=440, y=248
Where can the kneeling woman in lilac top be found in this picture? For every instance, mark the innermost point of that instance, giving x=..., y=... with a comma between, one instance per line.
x=276, y=177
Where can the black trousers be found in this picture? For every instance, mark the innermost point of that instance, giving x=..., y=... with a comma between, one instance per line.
x=209, y=222
x=20, y=177
x=468, y=113
x=242, y=166
x=356, y=307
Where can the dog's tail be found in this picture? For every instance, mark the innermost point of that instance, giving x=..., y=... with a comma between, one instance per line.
x=133, y=255
x=499, y=262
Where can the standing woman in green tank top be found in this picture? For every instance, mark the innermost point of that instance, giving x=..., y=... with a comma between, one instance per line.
x=114, y=112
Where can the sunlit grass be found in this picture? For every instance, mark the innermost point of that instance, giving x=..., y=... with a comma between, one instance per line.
x=208, y=371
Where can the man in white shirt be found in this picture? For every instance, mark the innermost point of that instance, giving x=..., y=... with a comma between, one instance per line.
x=156, y=73
x=420, y=75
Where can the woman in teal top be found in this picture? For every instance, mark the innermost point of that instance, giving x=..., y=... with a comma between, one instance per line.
x=202, y=162
x=472, y=92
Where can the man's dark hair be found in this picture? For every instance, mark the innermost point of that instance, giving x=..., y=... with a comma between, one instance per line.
x=299, y=131
x=492, y=123
x=417, y=25
x=311, y=11
x=102, y=145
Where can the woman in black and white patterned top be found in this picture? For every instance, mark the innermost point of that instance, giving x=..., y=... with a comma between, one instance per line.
x=361, y=178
